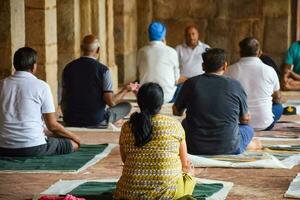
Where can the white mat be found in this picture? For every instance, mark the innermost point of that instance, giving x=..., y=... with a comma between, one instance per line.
x=267, y=161
x=294, y=188
x=63, y=187
x=110, y=128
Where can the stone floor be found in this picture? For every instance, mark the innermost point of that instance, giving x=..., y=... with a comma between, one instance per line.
x=249, y=184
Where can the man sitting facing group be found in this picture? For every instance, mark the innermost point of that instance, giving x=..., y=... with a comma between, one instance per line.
x=215, y=106
x=24, y=102
x=87, y=89
x=190, y=53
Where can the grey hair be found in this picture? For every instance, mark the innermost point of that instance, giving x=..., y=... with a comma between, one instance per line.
x=90, y=47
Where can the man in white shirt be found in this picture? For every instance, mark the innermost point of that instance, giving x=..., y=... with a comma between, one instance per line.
x=158, y=62
x=190, y=53
x=25, y=102
x=261, y=84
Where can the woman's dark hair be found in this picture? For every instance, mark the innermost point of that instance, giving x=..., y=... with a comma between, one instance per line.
x=150, y=99
x=24, y=59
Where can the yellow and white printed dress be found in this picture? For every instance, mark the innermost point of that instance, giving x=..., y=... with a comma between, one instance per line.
x=151, y=171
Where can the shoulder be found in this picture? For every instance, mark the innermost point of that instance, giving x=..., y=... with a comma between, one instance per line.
x=179, y=47
x=164, y=119
x=202, y=44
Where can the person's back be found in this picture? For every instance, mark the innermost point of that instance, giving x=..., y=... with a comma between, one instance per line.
x=213, y=108
x=25, y=104
x=21, y=98
x=159, y=156
x=82, y=99
x=215, y=105
x=153, y=150
x=157, y=62
x=260, y=82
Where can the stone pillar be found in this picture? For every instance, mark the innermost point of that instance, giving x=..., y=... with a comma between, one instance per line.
x=145, y=16
x=68, y=35
x=125, y=17
x=12, y=32
x=41, y=34
x=85, y=18
x=111, y=42
x=98, y=20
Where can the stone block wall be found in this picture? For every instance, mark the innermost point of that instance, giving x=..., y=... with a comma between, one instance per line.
x=222, y=23
x=125, y=30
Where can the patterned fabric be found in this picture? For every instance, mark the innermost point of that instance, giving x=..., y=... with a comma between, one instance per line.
x=152, y=171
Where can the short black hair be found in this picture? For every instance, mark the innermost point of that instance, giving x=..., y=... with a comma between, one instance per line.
x=214, y=59
x=249, y=47
x=24, y=59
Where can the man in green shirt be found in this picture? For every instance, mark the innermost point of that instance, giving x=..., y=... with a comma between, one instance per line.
x=291, y=71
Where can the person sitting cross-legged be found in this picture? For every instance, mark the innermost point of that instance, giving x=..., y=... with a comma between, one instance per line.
x=25, y=102
x=261, y=85
x=87, y=89
x=153, y=151
x=217, y=113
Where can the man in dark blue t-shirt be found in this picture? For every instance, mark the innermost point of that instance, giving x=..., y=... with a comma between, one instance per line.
x=87, y=89
x=217, y=112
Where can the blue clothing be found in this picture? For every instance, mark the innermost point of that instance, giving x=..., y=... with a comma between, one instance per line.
x=277, y=110
x=179, y=86
x=84, y=82
x=293, y=56
x=246, y=134
x=156, y=31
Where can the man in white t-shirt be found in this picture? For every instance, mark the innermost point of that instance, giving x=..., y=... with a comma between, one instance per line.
x=190, y=53
x=261, y=84
x=25, y=102
x=158, y=62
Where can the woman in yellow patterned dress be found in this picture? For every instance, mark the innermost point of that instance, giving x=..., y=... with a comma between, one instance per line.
x=153, y=150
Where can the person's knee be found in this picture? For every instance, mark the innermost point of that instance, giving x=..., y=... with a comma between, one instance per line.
x=75, y=146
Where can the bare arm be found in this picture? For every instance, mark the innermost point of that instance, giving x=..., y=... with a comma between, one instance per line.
x=245, y=119
x=111, y=99
x=276, y=97
x=176, y=111
x=183, y=156
x=57, y=129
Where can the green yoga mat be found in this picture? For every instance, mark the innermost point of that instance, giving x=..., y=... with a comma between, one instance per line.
x=67, y=162
x=104, y=190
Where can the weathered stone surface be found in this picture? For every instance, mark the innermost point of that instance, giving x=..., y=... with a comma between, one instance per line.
x=85, y=18
x=68, y=35
x=35, y=29
x=99, y=26
x=258, y=30
x=165, y=9
x=276, y=35
x=41, y=34
x=241, y=30
x=205, y=9
x=218, y=33
x=242, y=9
x=12, y=33
x=276, y=8
x=145, y=15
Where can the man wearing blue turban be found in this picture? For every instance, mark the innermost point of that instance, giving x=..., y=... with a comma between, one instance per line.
x=158, y=62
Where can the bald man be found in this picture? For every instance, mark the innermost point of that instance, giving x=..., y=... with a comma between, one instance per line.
x=261, y=84
x=87, y=90
x=190, y=53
